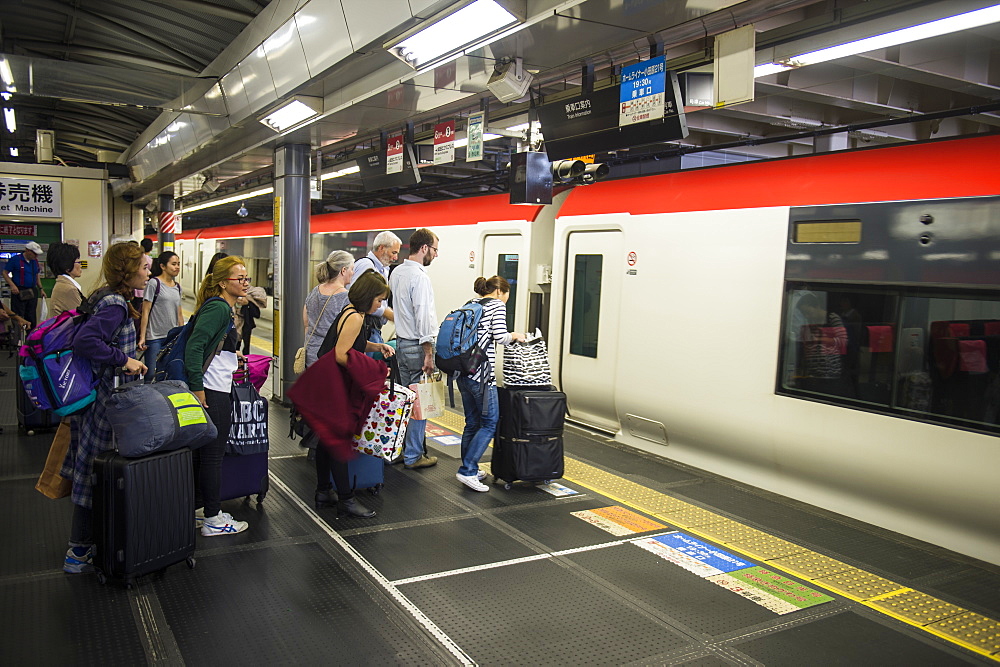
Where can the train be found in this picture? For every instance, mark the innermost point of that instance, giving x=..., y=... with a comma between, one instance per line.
x=823, y=327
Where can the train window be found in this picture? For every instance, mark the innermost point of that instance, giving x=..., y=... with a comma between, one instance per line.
x=827, y=231
x=507, y=269
x=933, y=357
x=586, y=305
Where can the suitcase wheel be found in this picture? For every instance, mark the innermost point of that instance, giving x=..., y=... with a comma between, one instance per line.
x=375, y=490
x=191, y=562
x=102, y=578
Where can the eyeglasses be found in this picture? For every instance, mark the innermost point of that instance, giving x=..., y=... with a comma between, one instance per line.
x=245, y=281
x=434, y=248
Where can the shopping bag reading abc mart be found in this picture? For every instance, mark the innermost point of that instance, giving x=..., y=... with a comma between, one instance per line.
x=248, y=432
x=385, y=427
x=430, y=397
x=156, y=417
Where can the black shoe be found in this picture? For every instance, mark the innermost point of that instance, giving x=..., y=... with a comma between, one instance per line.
x=325, y=499
x=351, y=507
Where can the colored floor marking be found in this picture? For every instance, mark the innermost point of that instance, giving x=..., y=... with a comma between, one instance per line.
x=954, y=624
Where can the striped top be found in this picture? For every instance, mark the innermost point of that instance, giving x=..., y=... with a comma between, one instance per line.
x=492, y=330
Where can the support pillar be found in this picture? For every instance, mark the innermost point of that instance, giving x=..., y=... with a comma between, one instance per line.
x=291, y=259
x=168, y=223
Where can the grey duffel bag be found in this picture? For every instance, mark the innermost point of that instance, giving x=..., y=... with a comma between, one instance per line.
x=148, y=418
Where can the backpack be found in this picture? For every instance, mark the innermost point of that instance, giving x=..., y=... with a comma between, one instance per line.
x=457, y=349
x=54, y=378
x=170, y=360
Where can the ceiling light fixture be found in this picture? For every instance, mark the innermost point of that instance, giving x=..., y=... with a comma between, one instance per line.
x=967, y=21
x=8, y=118
x=292, y=112
x=227, y=200
x=452, y=31
x=337, y=173
x=13, y=151
x=6, y=96
x=464, y=141
x=5, y=73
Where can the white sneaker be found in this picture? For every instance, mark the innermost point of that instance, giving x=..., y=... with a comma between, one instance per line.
x=472, y=482
x=222, y=524
x=480, y=475
x=199, y=517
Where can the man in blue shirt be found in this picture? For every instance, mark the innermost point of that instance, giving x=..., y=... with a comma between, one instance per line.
x=24, y=277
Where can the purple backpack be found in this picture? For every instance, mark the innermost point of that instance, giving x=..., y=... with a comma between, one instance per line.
x=53, y=377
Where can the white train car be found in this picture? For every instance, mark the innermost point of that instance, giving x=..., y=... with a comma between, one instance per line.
x=798, y=325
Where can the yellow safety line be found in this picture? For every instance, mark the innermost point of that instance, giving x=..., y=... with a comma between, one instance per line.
x=869, y=602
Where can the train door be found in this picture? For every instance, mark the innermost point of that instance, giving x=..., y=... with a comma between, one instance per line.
x=502, y=256
x=590, y=326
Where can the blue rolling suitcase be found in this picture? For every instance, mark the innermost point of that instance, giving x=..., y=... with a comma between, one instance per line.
x=367, y=472
x=244, y=476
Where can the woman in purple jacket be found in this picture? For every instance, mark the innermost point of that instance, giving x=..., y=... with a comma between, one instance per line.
x=108, y=339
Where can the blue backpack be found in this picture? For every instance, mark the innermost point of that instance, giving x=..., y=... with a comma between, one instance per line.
x=457, y=349
x=170, y=360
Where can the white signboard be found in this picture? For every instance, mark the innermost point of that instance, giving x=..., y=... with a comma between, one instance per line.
x=444, y=142
x=28, y=198
x=474, y=132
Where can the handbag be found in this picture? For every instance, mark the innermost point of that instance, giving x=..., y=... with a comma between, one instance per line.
x=527, y=364
x=385, y=427
x=248, y=431
x=51, y=483
x=26, y=294
x=299, y=365
x=429, y=397
x=161, y=416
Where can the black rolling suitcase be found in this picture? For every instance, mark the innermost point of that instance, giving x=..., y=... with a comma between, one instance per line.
x=143, y=513
x=529, y=441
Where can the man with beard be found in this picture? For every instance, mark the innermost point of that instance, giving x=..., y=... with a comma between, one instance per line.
x=416, y=329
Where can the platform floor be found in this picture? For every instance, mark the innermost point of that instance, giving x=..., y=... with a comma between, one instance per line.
x=643, y=562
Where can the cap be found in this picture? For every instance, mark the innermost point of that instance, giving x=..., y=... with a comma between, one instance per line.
x=33, y=247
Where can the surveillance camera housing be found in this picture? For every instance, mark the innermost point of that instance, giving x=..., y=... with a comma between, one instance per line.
x=510, y=81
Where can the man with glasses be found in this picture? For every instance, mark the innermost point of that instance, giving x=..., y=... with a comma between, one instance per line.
x=416, y=329
x=385, y=251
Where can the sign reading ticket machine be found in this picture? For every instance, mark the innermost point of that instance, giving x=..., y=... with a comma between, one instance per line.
x=27, y=198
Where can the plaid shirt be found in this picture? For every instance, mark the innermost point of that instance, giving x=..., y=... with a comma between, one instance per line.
x=91, y=430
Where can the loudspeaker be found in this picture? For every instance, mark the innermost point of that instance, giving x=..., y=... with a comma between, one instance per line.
x=530, y=178
x=509, y=81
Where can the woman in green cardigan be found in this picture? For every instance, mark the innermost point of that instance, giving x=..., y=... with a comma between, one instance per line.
x=210, y=357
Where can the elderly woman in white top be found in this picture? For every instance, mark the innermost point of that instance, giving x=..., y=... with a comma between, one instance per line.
x=64, y=262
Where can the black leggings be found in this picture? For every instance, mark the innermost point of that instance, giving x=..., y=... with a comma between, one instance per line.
x=208, y=458
x=326, y=466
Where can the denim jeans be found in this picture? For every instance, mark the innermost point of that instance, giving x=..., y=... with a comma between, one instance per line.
x=153, y=348
x=482, y=412
x=410, y=355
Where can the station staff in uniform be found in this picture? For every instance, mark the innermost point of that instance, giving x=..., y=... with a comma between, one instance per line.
x=416, y=329
x=24, y=274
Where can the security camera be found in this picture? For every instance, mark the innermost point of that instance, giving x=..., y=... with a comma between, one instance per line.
x=242, y=211
x=210, y=185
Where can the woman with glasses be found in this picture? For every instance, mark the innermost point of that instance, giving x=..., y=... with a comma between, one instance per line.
x=210, y=358
x=161, y=308
x=64, y=262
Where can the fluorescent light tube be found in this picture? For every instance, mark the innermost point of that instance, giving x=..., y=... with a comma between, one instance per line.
x=227, y=200
x=453, y=33
x=8, y=117
x=292, y=113
x=13, y=151
x=464, y=141
x=337, y=173
x=5, y=73
x=967, y=21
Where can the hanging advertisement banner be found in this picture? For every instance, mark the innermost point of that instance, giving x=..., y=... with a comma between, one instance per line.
x=27, y=198
x=641, y=93
x=474, y=132
x=444, y=142
x=394, y=154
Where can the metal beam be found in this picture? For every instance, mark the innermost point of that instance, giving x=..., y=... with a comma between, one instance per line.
x=203, y=7
x=116, y=57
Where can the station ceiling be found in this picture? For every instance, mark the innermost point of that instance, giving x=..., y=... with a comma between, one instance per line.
x=173, y=88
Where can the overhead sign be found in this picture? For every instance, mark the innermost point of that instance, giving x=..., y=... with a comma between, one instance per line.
x=589, y=123
x=375, y=176
x=444, y=142
x=9, y=229
x=474, y=132
x=394, y=154
x=29, y=198
x=641, y=92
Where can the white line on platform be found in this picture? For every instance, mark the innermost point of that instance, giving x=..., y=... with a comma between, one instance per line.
x=446, y=641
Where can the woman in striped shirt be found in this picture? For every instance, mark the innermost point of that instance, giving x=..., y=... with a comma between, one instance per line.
x=479, y=390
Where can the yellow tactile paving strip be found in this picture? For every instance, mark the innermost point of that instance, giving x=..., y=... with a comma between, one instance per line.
x=955, y=624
